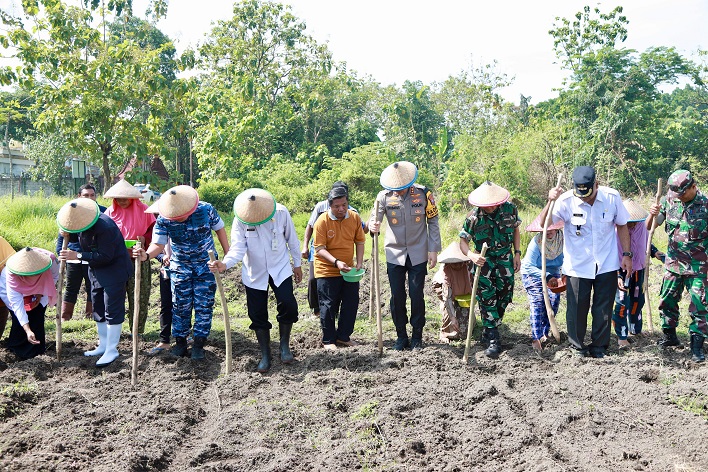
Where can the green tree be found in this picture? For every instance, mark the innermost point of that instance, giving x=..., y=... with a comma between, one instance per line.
x=50, y=154
x=97, y=92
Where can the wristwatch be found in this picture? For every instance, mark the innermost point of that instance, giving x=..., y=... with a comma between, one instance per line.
x=628, y=254
x=79, y=256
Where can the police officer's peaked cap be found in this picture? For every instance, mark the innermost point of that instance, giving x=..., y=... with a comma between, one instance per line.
x=583, y=181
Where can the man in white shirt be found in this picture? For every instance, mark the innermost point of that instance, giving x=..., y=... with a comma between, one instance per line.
x=590, y=260
x=262, y=236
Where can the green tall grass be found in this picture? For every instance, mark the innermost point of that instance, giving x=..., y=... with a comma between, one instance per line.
x=30, y=221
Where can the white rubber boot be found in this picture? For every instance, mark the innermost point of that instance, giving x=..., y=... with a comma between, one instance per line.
x=112, y=340
x=102, y=329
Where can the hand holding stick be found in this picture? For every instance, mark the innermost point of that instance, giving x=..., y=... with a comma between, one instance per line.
x=225, y=309
x=473, y=300
x=659, y=192
x=60, y=288
x=136, y=318
x=544, y=284
x=377, y=283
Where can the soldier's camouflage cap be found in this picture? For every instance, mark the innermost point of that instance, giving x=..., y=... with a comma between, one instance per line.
x=679, y=182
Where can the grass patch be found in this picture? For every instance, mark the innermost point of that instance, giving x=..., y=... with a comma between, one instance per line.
x=695, y=404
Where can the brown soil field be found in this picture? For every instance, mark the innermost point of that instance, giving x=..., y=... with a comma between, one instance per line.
x=643, y=409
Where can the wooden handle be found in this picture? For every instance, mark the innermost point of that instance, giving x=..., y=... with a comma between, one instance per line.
x=647, y=260
x=544, y=284
x=473, y=300
x=225, y=310
x=136, y=317
x=60, y=289
x=377, y=283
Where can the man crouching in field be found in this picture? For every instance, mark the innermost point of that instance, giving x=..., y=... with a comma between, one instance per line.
x=187, y=223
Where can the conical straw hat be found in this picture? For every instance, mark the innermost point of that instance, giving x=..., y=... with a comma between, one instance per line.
x=399, y=175
x=488, y=195
x=123, y=189
x=78, y=215
x=254, y=206
x=154, y=208
x=537, y=227
x=28, y=261
x=636, y=212
x=178, y=202
x=452, y=254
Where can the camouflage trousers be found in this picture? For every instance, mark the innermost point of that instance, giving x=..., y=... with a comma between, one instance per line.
x=496, y=289
x=193, y=287
x=671, y=291
x=145, y=285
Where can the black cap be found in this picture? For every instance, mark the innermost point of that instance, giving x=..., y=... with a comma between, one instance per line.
x=583, y=181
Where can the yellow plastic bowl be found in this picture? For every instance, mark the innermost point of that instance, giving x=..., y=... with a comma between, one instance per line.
x=464, y=300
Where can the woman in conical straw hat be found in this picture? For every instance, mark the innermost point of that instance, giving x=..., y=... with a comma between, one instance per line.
x=128, y=211
x=450, y=281
x=494, y=221
x=103, y=247
x=27, y=287
x=629, y=301
x=531, y=277
x=187, y=224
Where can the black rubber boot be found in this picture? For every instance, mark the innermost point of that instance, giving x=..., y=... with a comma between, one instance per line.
x=697, y=347
x=286, y=357
x=669, y=338
x=494, y=348
x=198, y=348
x=402, y=341
x=417, y=339
x=263, y=336
x=180, y=347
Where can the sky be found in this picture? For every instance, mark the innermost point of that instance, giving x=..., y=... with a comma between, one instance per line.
x=397, y=40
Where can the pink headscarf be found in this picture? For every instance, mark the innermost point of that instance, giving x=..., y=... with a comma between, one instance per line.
x=40, y=284
x=133, y=222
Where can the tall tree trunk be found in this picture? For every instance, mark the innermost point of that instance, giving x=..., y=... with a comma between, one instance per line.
x=107, y=180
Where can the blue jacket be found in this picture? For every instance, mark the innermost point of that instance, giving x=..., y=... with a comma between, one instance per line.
x=103, y=247
x=531, y=263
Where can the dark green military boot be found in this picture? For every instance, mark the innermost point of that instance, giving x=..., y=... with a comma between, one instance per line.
x=697, y=347
x=669, y=338
x=494, y=348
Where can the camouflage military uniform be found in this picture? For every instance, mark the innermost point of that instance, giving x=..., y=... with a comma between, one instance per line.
x=496, y=281
x=686, y=260
x=193, y=285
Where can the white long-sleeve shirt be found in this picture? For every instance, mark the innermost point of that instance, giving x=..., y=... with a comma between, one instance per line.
x=264, y=250
x=594, y=250
x=15, y=301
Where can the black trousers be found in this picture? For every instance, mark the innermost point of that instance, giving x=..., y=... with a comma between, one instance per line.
x=416, y=281
x=338, y=299
x=257, y=301
x=17, y=340
x=165, y=306
x=75, y=274
x=601, y=290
